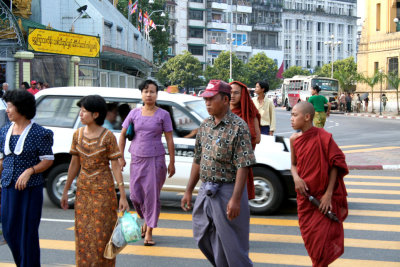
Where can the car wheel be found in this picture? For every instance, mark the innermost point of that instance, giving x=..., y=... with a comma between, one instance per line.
x=269, y=192
x=55, y=184
x=287, y=105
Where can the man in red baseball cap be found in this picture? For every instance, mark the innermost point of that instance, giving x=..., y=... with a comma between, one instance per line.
x=222, y=157
x=33, y=90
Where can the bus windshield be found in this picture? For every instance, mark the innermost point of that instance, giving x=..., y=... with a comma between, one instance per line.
x=325, y=84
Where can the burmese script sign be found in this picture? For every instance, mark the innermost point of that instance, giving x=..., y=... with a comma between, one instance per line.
x=65, y=43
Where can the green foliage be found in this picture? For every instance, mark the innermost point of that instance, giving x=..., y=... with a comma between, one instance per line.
x=347, y=80
x=260, y=67
x=220, y=70
x=295, y=70
x=394, y=81
x=347, y=65
x=183, y=70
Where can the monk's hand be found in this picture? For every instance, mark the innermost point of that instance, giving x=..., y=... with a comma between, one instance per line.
x=23, y=179
x=171, y=169
x=301, y=186
x=186, y=201
x=233, y=209
x=326, y=203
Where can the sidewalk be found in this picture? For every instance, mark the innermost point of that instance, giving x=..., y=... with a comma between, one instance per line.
x=385, y=115
x=374, y=160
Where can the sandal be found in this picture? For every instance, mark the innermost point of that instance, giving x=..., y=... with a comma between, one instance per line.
x=149, y=243
x=143, y=230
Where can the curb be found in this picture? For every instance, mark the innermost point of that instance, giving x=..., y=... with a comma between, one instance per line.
x=374, y=167
x=373, y=116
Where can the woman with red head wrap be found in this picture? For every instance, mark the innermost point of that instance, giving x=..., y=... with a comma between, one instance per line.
x=242, y=105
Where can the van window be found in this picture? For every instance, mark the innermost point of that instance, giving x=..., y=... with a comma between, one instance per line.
x=57, y=111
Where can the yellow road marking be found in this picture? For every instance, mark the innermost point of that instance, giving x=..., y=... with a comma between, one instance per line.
x=373, y=177
x=294, y=239
x=342, y=147
x=371, y=191
x=374, y=201
x=375, y=213
x=372, y=183
x=190, y=253
x=370, y=149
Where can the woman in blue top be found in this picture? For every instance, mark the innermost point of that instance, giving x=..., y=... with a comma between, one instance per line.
x=25, y=152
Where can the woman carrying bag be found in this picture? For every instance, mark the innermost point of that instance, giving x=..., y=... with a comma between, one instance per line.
x=92, y=149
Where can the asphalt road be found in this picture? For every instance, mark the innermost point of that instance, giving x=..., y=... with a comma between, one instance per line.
x=372, y=230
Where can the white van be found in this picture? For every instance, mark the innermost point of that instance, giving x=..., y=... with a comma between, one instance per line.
x=57, y=110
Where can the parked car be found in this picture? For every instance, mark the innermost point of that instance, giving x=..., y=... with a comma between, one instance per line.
x=57, y=110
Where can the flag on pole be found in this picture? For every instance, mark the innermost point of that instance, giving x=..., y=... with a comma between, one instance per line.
x=152, y=24
x=115, y=2
x=138, y=28
x=146, y=19
x=134, y=7
x=140, y=16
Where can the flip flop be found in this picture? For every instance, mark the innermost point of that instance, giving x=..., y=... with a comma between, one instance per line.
x=149, y=243
x=143, y=230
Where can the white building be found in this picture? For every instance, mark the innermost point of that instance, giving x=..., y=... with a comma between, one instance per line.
x=309, y=24
x=125, y=55
x=207, y=27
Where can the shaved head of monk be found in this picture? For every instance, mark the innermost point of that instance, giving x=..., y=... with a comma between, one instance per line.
x=302, y=116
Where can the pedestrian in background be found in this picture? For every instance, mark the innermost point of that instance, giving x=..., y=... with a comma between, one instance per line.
x=93, y=148
x=33, y=90
x=348, y=102
x=222, y=158
x=318, y=101
x=318, y=168
x=342, y=102
x=384, y=101
x=366, y=100
x=26, y=152
x=358, y=103
x=242, y=105
x=4, y=89
x=265, y=107
x=24, y=86
x=148, y=169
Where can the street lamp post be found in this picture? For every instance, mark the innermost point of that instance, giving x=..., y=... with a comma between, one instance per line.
x=332, y=44
x=230, y=58
x=380, y=98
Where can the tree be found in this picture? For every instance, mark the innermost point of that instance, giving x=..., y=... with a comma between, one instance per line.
x=260, y=67
x=347, y=80
x=295, y=70
x=183, y=70
x=221, y=71
x=394, y=81
x=371, y=82
x=348, y=65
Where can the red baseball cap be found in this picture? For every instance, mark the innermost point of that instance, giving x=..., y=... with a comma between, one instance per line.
x=33, y=82
x=216, y=86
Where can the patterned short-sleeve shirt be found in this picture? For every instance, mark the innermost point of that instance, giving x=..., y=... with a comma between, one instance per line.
x=223, y=148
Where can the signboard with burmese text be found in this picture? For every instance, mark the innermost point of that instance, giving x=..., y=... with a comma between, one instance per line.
x=64, y=43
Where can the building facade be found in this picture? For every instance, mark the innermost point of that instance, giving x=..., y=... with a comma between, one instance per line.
x=207, y=27
x=308, y=24
x=379, y=47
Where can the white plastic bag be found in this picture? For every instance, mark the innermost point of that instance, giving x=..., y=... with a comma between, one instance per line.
x=117, y=237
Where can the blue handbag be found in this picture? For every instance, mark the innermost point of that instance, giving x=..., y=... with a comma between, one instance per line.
x=130, y=133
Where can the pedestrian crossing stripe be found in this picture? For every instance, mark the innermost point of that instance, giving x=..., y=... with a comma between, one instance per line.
x=373, y=184
x=375, y=213
x=371, y=191
x=374, y=201
x=191, y=253
x=371, y=177
x=370, y=149
x=353, y=146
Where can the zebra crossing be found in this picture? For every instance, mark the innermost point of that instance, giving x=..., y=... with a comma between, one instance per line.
x=372, y=234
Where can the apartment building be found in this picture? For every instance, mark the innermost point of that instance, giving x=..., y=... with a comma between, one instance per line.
x=207, y=27
x=309, y=24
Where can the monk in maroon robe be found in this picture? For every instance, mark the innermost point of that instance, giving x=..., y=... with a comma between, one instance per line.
x=318, y=168
x=242, y=105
